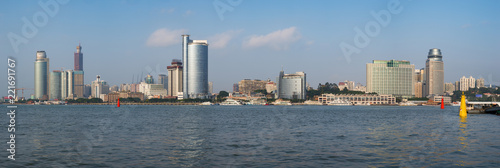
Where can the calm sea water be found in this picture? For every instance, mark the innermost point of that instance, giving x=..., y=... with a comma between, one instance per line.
x=251, y=136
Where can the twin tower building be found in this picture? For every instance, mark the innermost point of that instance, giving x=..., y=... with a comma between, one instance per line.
x=189, y=79
x=59, y=85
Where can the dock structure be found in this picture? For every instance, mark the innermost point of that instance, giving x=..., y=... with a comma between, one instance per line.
x=480, y=107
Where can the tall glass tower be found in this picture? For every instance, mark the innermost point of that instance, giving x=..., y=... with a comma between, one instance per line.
x=434, y=73
x=195, y=72
x=41, y=75
x=55, y=85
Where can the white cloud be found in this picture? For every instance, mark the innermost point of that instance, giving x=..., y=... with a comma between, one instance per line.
x=222, y=39
x=278, y=40
x=188, y=13
x=165, y=37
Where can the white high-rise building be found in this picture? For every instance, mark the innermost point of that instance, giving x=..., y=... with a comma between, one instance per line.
x=466, y=83
x=174, y=78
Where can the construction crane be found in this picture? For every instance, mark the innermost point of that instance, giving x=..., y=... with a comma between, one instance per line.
x=22, y=91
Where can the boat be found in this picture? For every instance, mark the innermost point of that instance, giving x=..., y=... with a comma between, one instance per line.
x=206, y=104
x=282, y=102
x=407, y=104
x=455, y=104
x=339, y=102
x=257, y=102
x=310, y=102
x=493, y=110
x=231, y=102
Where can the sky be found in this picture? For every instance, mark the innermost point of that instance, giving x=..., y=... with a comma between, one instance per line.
x=331, y=41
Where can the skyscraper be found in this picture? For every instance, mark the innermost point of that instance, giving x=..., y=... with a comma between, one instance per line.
x=78, y=74
x=78, y=58
x=434, y=73
x=195, y=72
x=67, y=84
x=55, y=85
x=291, y=86
x=390, y=77
x=174, y=78
x=162, y=79
x=41, y=76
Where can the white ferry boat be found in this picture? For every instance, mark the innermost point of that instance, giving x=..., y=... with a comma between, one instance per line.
x=206, y=104
x=281, y=102
x=339, y=102
x=407, y=104
x=230, y=102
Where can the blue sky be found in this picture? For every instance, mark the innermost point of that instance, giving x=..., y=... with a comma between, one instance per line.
x=253, y=39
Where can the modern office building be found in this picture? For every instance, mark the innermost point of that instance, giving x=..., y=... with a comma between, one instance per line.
x=41, y=76
x=67, y=85
x=390, y=77
x=88, y=90
x=434, y=73
x=78, y=74
x=162, y=79
x=78, y=84
x=195, y=72
x=291, y=86
x=55, y=85
x=78, y=58
x=99, y=88
x=174, y=78
x=248, y=86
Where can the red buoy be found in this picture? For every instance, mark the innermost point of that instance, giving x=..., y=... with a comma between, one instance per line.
x=442, y=103
x=118, y=104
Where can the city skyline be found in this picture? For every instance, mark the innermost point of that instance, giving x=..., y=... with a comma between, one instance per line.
x=117, y=48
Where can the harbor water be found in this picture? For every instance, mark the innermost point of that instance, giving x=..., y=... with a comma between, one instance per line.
x=251, y=136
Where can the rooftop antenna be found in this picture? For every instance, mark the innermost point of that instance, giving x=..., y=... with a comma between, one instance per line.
x=281, y=67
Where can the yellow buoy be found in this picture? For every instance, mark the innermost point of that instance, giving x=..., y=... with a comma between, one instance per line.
x=463, y=106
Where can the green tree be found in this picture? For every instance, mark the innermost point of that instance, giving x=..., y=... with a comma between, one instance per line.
x=222, y=94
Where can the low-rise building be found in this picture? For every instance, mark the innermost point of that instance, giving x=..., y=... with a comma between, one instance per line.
x=358, y=99
x=446, y=99
x=114, y=96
